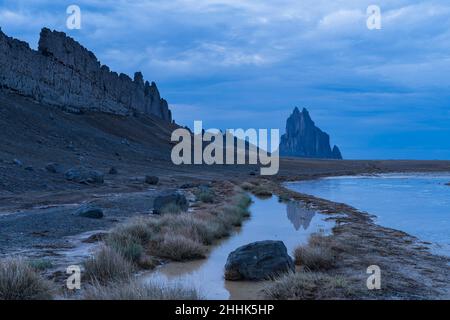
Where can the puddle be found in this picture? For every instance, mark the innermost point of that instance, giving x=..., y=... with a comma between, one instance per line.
x=291, y=223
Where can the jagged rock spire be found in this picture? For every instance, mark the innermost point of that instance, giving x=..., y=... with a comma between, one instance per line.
x=304, y=139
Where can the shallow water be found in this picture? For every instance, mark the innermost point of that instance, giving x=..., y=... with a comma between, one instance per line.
x=291, y=223
x=418, y=204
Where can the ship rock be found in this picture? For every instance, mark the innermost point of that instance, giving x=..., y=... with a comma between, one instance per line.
x=304, y=140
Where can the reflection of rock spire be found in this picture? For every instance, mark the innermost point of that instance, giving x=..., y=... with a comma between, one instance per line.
x=299, y=215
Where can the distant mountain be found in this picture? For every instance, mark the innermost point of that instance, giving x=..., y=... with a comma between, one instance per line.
x=303, y=139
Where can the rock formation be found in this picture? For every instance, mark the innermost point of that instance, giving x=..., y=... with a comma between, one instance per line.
x=65, y=74
x=303, y=139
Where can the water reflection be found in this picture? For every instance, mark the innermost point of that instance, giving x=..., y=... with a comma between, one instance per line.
x=418, y=204
x=299, y=215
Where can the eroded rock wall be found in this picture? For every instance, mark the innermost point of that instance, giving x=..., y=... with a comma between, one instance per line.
x=64, y=73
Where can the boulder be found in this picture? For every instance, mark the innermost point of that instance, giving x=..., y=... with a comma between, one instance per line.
x=113, y=171
x=54, y=168
x=151, y=180
x=167, y=198
x=258, y=261
x=83, y=175
x=89, y=211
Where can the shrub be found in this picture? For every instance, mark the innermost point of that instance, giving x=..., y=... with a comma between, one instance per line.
x=139, y=291
x=179, y=248
x=19, y=281
x=308, y=286
x=314, y=258
x=107, y=265
x=40, y=264
x=262, y=191
x=206, y=196
x=247, y=186
x=318, y=254
x=172, y=208
x=129, y=239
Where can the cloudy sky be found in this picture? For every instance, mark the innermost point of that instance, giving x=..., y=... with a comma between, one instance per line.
x=234, y=63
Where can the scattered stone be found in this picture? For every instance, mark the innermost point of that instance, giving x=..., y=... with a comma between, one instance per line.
x=189, y=185
x=54, y=168
x=113, y=170
x=29, y=168
x=258, y=261
x=17, y=162
x=83, y=175
x=151, y=180
x=97, y=237
x=448, y=184
x=168, y=198
x=88, y=211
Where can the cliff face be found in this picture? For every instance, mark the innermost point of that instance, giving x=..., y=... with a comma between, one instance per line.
x=65, y=74
x=303, y=139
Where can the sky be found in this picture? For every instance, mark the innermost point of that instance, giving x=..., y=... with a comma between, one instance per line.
x=380, y=94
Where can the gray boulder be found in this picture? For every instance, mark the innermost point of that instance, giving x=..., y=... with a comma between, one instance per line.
x=54, y=168
x=258, y=261
x=89, y=211
x=169, y=198
x=113, y=171
x=83, y=175
x=151, y=180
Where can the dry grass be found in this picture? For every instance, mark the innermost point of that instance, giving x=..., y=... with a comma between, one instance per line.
x=179, y=248
x=308, y=286
x=206, y=196
x=172, y=208
x=247, y=186
x=20, y=281
x=177, y=237
x=262, y=191
x=138, y=291
x=107, y=265
x=317, y=255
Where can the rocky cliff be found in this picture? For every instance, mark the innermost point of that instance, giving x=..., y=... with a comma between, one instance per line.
x=303, y=139
x=65, y=74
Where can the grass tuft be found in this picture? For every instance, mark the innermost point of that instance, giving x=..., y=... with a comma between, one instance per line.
x=179, y=248
x=317, y=255
x=308, y=286
x=139, y=291
x=107, y=265
x=20, y=281
x=206, y=196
